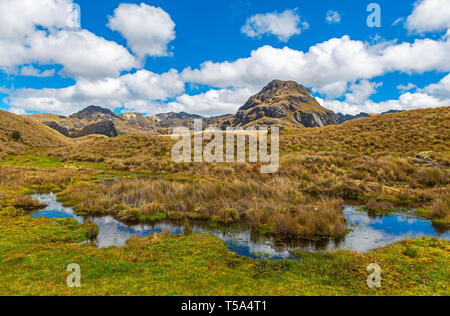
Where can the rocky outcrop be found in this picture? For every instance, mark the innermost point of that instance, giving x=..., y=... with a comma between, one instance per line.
x=316, y=119
x=58, y=128
x=101, y=128
x=285, y=104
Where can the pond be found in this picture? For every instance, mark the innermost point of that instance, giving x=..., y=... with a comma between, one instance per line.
x=367, y=232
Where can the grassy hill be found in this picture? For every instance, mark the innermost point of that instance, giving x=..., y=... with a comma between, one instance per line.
x=18, y=133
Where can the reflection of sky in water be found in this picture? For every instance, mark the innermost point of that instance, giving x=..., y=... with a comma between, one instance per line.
x=367, y=233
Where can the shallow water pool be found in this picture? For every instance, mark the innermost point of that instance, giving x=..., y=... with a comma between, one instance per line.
x=367, y=233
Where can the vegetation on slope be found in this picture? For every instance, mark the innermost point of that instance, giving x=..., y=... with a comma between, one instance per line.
x=18, y=133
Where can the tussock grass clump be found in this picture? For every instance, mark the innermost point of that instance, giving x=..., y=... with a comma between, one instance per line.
x=27, y=203
x=274, y=205
x=440, y=209
x=92, y=230
x=379, y=207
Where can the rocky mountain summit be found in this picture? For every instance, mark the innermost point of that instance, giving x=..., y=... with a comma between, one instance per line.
x=94, y=113
x=285, y=104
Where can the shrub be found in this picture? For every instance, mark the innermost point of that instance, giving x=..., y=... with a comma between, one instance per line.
x=16, y=136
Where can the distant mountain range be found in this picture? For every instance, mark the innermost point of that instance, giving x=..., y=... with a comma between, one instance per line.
x=347, y=117
x=286, y=104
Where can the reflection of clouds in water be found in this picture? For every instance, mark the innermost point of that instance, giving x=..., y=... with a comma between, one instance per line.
x=54, y=209
x=367, y=233
x=407, y=219
x=241, y=242
x=114, y=233
x=358, y=218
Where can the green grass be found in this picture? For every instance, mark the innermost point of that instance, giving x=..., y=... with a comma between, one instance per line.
x=43, y=161
x=34, y=255
x=31, y=161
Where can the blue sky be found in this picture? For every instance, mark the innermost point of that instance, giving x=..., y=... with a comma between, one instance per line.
x=208, y=57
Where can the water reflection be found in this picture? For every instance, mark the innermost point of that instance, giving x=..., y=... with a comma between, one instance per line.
x=367, y=233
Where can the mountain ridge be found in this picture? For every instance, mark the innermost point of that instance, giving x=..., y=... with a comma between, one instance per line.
x=286, y=104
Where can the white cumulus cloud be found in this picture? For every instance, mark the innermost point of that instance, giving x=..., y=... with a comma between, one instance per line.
x=44, y=32
x=141, y=91
x=147, y=29
x=326, y=67
x=212, y=102
x=282, y=25
x=429, y=16
x=361, y=91
x=440, y=89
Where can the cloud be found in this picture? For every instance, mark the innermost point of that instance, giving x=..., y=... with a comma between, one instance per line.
x=212, y=102
x=333, y=17
x=142, y=90
x=31, y=71
x=406, y=101
x=360, y=92
x=440, y=89
x=282, y=25
x=429, y=16
x=147, y=29
x=44, y=32
x=327, y=66
x=404, y=88
x=398, y=21
x=432, y=96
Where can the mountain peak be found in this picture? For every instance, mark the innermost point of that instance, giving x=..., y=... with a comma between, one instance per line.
x=94, y=112
x=284, y=103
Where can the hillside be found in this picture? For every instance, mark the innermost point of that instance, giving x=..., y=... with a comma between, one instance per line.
x=94, y=119
x=284, y=103
x=404, y=132
x=18, y=133
x=407, y=134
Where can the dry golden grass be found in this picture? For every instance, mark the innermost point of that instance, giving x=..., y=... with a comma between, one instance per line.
x=30, y=133
x=275, y=205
